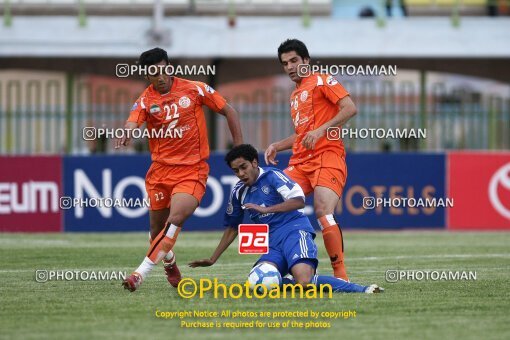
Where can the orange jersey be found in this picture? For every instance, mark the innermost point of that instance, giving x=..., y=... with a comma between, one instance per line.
x=313, y=103
x=178, y=119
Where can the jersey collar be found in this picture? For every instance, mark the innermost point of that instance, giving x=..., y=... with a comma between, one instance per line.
x=261, y=172
x=305, y=80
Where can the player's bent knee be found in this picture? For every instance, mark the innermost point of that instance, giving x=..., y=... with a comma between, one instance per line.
x=321, y=209
x=178, y=218
x=322, y=212
x=303, y=281
x=303, y=272
x=303, y=278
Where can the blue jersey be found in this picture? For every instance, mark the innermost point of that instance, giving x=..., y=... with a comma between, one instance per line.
x=271, y=187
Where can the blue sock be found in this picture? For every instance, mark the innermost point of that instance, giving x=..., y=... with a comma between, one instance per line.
x=286, y=281
x=338, y=285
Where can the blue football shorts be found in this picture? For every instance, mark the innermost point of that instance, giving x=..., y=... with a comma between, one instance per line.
x=298, y=247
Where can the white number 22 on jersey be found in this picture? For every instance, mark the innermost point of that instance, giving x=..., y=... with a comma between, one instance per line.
x=172, y=116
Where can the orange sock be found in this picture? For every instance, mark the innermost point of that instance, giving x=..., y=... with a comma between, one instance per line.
x=163, y=243
x=169, y=258
x=333, y=240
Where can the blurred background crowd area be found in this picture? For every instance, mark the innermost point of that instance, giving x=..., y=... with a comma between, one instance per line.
x=58, y=63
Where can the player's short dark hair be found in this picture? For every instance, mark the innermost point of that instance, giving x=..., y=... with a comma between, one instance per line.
x=295, y=45
x=152, y=57
x=246, y=151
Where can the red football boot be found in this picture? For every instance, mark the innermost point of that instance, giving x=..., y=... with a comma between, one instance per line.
x=173, y=275
x=132, y=282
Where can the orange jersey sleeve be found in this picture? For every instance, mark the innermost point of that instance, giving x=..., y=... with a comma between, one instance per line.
x=210, y=98
x=138, y=112
x=332, y=89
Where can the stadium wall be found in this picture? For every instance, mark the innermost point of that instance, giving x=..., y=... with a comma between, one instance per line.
x=30, y=201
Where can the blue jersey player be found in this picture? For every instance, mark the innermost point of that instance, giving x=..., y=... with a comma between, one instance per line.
x=270, y=197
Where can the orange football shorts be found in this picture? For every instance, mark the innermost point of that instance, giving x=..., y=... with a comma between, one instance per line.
x=162, y=181
x=327, y=170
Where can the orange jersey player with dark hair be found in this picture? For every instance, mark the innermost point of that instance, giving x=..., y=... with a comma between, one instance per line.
x=317, y=164
x=176, y=181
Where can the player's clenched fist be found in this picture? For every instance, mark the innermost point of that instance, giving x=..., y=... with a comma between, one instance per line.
x=311, y=138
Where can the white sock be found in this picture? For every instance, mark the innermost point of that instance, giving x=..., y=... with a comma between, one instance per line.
x=145, y=268
x=169, y=258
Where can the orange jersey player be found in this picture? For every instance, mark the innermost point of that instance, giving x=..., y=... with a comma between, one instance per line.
x=317, y=164
x=176, y=181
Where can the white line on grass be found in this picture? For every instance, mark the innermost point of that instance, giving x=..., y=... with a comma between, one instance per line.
x=321, y=260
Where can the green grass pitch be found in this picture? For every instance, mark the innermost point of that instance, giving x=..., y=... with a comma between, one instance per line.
x=408, y=309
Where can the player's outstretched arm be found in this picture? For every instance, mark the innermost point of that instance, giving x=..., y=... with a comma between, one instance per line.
x=233, y=123
x=124, y=141
x=229, y=236
x=284, y=144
